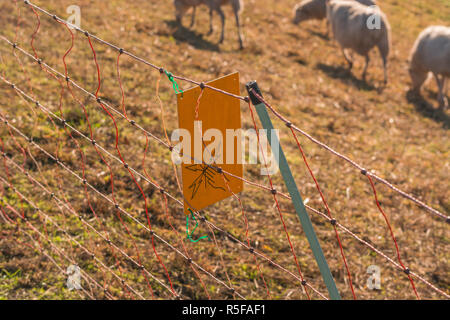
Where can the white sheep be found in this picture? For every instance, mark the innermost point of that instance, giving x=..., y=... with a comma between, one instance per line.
x=316, y=10
x=350, y=24
x=182, y=6
x=431, y=53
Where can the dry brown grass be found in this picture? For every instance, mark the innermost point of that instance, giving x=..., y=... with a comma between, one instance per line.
x=404, y=139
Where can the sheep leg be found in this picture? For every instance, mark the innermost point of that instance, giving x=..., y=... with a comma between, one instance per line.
x=441, y=99
x=178, y=18
x=193, y=16
x=241, y=45
x=328, y=28
x=347, y=58
x=180, y=12
x=444, y=91
x=222, y=18
x=211, y=12
x=444, y=85
x=443, y=103
x=365, y=68
x=385, y=70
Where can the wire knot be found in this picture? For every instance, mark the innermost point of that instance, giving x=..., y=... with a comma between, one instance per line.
x=174, y=83
x=189, y=234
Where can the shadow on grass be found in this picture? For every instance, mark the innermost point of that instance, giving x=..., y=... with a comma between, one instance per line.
x=323, y=36
x=183, y=34
x=346, y=75
x=301, y=61
x=427, y=109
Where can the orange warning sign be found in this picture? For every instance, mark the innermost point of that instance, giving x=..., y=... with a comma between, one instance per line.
x=209, y=140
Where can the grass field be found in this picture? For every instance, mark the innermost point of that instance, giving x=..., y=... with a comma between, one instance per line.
x=402, y=138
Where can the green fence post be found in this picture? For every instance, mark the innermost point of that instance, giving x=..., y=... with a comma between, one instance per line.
x=293, y=191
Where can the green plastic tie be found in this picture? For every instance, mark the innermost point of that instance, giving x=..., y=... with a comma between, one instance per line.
x=174, y=83
x=189, y=235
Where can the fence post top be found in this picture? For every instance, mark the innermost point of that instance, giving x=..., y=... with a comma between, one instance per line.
x=252, y=88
